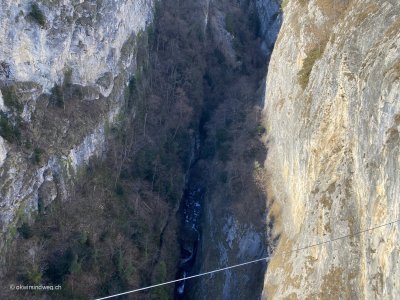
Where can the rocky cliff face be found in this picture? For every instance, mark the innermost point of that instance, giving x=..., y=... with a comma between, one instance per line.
x=269, y=13
x=233, y=228
x=48, y=50
x=333, y=119
x=75, y=34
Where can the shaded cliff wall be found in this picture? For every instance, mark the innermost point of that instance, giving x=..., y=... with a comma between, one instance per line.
x=54, y=104
x=234, y=228
x=270, y=15
x=332, y=115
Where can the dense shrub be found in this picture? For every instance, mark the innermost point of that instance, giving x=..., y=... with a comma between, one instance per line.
x=37, y=15
x=37, y=155
x=119, y=190
x=231, y=23
x=8, y=131
x=25, y=231
x=284, y=3
x=68, y=77
x=260, y=129
x=11, y=98
x=308, y=63
x=34, y=275
x=57, y=95
x=59, y=266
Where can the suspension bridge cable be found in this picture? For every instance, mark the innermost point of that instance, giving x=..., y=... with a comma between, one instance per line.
x=246, y=263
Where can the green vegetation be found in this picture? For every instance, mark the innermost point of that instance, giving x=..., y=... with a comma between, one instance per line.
x=128, y=48
x=284, y=3
x=312, y=56
x=37, y=155
x=8, y=131
x=243, y=27
x=11, y=98
x=76, y=266
x=10, y=123
x=161, y=276
x=67, y=77
x=60, y=92
x=260, y=129
x=230, y=23
x=119, y=190
x=37, y=15
x=57, y=95
x=125, y=267
x=35, y=275
x=25, y=230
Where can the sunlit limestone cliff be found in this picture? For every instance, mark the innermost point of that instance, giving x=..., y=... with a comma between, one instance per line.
x=53, y=53
x=332, y=114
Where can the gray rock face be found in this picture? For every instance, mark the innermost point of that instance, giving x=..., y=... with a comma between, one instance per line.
x=77, y=35
x=47, y=191
x=91, y=42
x=3, y=151
x=334, y=150
x=271, y=20
x=233, y=233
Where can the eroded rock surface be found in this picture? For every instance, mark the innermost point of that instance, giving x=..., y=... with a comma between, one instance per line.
x=334, y=150
x=80, y=50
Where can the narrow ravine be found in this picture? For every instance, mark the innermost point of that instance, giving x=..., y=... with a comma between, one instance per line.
x=223, y=209
x=174, y=193
x=189, y=214
x=219, y=215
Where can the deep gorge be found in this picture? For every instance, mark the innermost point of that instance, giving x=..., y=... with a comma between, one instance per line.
x=189, y=112
x=144, y=141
